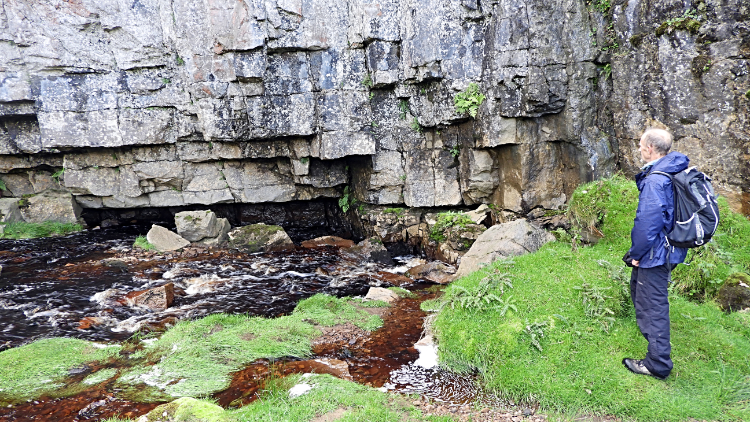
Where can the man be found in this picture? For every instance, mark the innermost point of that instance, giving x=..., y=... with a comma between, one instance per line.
x=652, y=256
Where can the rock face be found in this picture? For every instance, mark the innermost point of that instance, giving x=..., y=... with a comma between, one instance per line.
x=503, y=240
x=9, y=212
x=260, y=238
x=163, y=104
x=165, y=240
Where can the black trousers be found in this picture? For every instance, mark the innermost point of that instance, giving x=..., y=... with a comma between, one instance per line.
x=648, y=290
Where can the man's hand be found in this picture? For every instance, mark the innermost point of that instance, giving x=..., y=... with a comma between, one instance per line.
x=635, y=263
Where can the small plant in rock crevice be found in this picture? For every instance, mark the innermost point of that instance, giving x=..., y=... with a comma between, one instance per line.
x=689, y=21
x=2, y=186
x=446, y=220
x=403, y=107
x=56, y=175
x=367, y=81
x=469, y=100
x=416, y=126
x=455, y=151
x=347, y=201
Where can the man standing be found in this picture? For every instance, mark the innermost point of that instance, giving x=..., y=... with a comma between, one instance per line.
x=652, y=256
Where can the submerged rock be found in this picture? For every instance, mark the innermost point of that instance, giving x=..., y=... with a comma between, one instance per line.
x=165, y=240
x=368, y=250
x=503, y=240
x=734, y=295
x=260, y=238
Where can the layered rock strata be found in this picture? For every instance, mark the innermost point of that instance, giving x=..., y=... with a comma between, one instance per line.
x=159, y=104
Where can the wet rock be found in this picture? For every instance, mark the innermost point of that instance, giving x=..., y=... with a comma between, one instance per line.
x=503, y=240
x=435, y=271
x=260, y=238
x=380, y=293
x=156, y=299
x=51, y=205
x=165, y=240
x=88, y=322
x=328, y=241
x=734, y=294
x=368, y=250
x=115, y=263
x=391, y=278
x=186, y=409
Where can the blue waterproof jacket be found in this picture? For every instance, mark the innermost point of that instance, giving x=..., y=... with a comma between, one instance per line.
x=654, y=217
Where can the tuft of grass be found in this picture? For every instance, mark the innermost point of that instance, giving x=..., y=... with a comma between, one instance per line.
x=553, y=349
x=143, y=243
x=447, y=220
x=23, y=230
x=355, y=402
x=42, y=367
x=329, y=311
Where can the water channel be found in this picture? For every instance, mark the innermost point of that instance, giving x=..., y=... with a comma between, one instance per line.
x=78, y=286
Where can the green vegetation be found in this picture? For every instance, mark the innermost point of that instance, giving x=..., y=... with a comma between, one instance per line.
x=304, y=160
x=367, y=81
x=41, y=367
x=202, y=354
x=23, y=230
x=469, y=100
x=447, y=220
x=416, y=126
x=347, y=200
x=401, y=292
x=2, y=185
x=403, y=107
x=600, y=5
x=56, y=175
x=179, y=60
x=747, y=94
x=573, y=323
x=689, y=21
x=455, y=151
x=398, y=211
x=143, y=243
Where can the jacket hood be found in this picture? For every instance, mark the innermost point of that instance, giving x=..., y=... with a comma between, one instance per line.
x=672, y=163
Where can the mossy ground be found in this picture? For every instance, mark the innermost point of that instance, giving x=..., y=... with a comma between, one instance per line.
x=42, y=367
x=552, y=351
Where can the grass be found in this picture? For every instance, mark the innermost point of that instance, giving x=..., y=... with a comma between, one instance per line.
x=23, y=230
x=196, y=358
x=143, y=243
x=560, y=348
x=41, y=367
x=447, y=220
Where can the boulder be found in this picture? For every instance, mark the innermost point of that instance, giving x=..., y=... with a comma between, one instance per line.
x=435, y=271
x=221, y=237
x=734, y=294
x=186, y=409
x=9, y=212
x=368, y=250
x=156, y=299
x=480, y=215
x=165, y=240
x=260, y=238
x=196, y=225
x=51, y=205
x=503, y=240
x=380, y=293
x=328, y=241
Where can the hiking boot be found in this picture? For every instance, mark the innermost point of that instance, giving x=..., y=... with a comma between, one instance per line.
x=637, y=367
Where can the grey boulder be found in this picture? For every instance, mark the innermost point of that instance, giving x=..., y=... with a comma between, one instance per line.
x=503, y=240
x=165, y=240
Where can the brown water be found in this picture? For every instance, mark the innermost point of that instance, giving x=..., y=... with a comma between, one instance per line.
x=49, y=286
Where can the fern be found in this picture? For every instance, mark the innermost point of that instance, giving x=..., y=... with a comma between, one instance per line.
x=469, y=100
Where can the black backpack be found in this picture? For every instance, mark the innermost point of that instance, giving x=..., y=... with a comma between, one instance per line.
x=696, y=212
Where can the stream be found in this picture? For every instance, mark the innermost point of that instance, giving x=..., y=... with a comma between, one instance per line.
x=79, y=286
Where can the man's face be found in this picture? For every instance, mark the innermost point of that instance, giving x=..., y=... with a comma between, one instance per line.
x=647, y=151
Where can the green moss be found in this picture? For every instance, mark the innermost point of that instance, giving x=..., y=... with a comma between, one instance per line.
x=196, y=358
x=637, y=39
x=398, y=211
x=188, y=409
x=100, y=376
x=747, y=94
x=143, y=243
x=42, y=367
x=23, y=230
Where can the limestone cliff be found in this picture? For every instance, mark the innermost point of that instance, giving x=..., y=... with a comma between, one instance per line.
x=148, y=103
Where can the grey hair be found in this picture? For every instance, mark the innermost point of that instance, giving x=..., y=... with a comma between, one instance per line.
x=660, y=139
